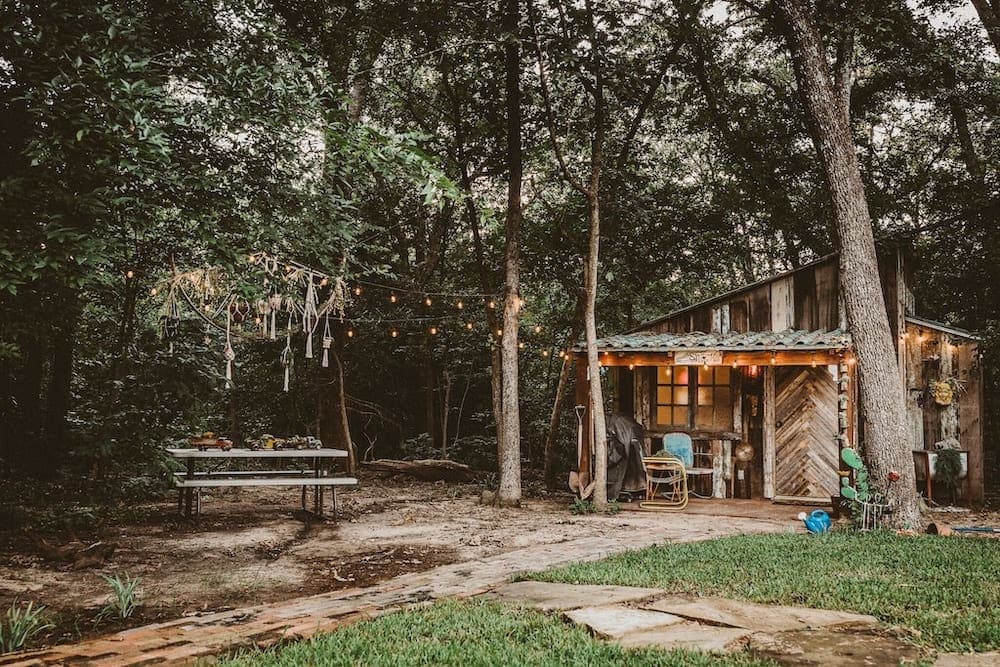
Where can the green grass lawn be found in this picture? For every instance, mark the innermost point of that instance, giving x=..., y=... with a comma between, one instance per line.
x=945, y=590
x=469, y=634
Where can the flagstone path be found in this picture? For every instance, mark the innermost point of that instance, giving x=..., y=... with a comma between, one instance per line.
x=188, y=639
x=632, y=617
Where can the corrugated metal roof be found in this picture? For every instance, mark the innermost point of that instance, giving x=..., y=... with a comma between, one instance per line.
x=760, y=341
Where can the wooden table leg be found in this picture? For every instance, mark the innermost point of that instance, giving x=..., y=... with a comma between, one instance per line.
x=333, y=495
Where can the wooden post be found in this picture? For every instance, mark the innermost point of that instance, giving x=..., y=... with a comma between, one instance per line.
x=970, y=417
x=583, y=398
x=769, y=427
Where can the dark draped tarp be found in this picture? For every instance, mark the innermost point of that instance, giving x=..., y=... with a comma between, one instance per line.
x=625, y=451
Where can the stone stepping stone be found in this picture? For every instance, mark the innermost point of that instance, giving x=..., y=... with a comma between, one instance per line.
x=968, y=659
x=830, y=647
x=562, y=597
x=688, y=635
x=758, y=617
x=616, y=621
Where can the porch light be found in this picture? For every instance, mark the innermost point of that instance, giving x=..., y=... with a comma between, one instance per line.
x=631, y=367
x=774, y=358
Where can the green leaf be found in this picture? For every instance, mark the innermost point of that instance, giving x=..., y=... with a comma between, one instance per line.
x=851, y=458
x=848, y=492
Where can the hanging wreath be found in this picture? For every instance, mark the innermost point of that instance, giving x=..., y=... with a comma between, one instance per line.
x=943, y=391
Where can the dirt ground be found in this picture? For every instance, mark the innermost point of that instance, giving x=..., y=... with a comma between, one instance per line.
x=254, y=546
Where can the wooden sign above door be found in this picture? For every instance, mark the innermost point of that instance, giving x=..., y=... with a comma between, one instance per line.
x=699, y=358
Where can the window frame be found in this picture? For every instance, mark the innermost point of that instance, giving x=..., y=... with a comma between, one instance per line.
x=693, y=405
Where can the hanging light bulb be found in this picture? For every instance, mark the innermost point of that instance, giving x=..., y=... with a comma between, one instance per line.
x=562, y=354
x=631, y=367
x=428, y=301
x=252, y=259
x=538, y=328
x=774, y=358
x=469, y=325
x=394, y=333
x=392, y=297
x=350, y=333
x=130, y=274
x=499, y=332
x=434, y=331
x=357, y=290
x=705, y=366
x=42, y=246
x=324, y=282
x=812, y=360
x=734, y=363
x=545, y=353
x=152, y=292
x=257, y=320
x=460, y=305
x=520, y=345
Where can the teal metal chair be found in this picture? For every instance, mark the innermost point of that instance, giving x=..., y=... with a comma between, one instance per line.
x=696, y=464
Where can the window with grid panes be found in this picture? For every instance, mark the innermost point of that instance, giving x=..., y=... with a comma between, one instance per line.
x=694, y=397
x=673, y=396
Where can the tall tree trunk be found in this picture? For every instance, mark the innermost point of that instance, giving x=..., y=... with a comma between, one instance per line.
x=335, y=427
x=509, y=459
x=557, y=403
x=593, y=363
x=60, y=383
x=989, y=14
x=887, y=446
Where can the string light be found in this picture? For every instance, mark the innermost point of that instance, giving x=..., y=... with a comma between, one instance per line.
x=152, y=292
x=350, y=333
x=428, y=301
x=538, y=328
x=520, y=345
x=42, y=246
x=392, y=297
x=562, y=354
x=774, y=358
x=324, y=282
x=357, y=290
x=734, y=363
x=469, y=325
x=434, y=331
x=460, y=305
x=130, y=274
x=492, y=304
x=545, y=353
x=499, y=332
x=394, y=333
x=631, y=367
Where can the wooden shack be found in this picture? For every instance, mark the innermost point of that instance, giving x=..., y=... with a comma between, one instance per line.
x=771, y=365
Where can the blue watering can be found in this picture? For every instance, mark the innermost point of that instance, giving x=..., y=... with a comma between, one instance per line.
x=818, y=521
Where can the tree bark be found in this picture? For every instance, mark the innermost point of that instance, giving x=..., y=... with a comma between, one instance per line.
x=549, y=472
x=989, y=14
x=887, y=446
x=509, y=455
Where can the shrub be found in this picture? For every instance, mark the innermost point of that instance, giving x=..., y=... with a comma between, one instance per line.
x=19, y=625
x=123, y=600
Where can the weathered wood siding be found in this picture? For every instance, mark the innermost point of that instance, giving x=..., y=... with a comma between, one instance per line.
x=806, y=451
x=804, y=299
x=930, y=355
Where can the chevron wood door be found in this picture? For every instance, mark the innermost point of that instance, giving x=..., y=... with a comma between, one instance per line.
x=806, y=453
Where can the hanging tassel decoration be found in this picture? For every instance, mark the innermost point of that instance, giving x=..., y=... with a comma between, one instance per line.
x=310, y=316
x=229, y=353
x=286, y=354
x=327, y=342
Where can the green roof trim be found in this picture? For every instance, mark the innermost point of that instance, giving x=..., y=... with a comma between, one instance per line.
x=747, y=341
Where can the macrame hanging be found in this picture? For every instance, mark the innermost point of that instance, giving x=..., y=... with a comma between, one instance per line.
x=310, y=318
x=274, y=303
x=286, y=354
x=327, y=342
x=229, y=353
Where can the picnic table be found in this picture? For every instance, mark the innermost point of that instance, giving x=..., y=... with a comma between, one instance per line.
x=191, y=482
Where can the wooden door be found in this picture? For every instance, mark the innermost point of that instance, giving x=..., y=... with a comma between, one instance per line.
x=806, y=453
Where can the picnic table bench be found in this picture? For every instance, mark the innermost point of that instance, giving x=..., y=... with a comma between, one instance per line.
x=191, y=482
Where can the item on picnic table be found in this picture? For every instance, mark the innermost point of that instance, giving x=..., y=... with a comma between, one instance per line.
x=208, y=440
x=268, y=441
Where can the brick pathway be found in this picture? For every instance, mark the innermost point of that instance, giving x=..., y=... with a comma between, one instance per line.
x=187, y=639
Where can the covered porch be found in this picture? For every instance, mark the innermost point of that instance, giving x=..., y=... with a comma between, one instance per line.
x=788, y=397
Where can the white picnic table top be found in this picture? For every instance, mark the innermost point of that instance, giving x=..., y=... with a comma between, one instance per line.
x=194, y=453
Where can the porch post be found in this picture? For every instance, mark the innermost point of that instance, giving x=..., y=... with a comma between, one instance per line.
x=769, y=426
